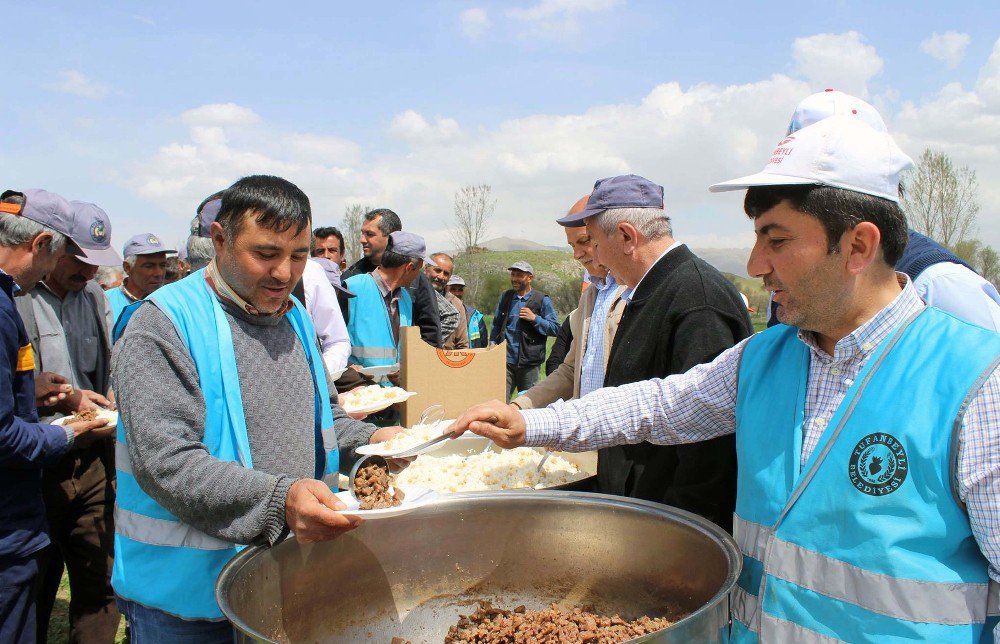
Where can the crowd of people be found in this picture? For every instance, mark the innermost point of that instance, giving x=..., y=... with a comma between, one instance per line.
x=852, y=449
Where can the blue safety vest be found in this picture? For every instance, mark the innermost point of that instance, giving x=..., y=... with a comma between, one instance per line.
x=868, y=542
x=118, y=300
x=369, y=326
x=160, y=561
x=475, y=320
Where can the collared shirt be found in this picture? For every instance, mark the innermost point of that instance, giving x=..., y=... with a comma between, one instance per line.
x=629, y=292
x=546, y=323
x=324, y=311
x=391, y=301
x=701, y=404
x=124, y=289
x=225, y=291
x=76, y=321
x=592, y=366
x=956, y=289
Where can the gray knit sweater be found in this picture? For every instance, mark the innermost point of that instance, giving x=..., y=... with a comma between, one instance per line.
x=163, y=411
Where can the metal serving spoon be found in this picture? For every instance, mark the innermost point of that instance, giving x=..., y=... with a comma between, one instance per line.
x=371, y=459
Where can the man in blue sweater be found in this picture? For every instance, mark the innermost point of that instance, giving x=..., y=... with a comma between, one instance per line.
x=34, y=230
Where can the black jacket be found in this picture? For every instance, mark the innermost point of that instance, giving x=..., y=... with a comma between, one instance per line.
x=531, y=351
x=425, y=309
x=684, y=313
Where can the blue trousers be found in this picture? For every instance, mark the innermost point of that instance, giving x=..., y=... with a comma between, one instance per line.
x=151, y=626
x=18, y=589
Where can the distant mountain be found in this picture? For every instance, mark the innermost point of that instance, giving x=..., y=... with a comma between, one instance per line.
x=727, y=260
x=512, y=243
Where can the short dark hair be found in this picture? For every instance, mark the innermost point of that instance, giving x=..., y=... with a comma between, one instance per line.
x=277, y=203
x=838, y=210
x=389, y=222
x=326, y=231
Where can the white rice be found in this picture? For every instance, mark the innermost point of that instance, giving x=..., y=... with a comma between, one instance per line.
x=504, y=470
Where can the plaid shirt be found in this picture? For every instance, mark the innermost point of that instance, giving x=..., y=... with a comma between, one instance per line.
x=701, y=404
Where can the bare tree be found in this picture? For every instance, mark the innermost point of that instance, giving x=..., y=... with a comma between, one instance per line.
x=354, y=214
x=474, y=206
x=940, y=200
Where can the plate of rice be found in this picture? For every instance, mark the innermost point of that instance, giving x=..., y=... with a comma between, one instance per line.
x=372, y=398
x=413, y=436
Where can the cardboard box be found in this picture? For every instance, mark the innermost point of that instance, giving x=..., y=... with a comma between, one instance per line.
x=454, y=379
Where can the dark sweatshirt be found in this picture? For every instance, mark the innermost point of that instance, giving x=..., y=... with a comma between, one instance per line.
x=684, y=313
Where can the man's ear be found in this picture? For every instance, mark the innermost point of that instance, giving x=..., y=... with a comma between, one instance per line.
x=630, y=237
x=41, y=243
x=218, y=236
x=861, y=247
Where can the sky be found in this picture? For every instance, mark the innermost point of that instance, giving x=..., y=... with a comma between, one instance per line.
x=146, y=108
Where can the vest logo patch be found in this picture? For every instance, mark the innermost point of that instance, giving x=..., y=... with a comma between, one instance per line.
x=878, y=465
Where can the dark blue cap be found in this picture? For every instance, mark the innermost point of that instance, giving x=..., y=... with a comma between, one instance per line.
x=625, y=191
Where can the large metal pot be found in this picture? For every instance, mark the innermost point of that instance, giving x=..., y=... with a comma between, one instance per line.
x=412, y=576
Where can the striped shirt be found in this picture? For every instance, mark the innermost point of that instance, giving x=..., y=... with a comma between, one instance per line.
x=701, y=404
x=592, y=367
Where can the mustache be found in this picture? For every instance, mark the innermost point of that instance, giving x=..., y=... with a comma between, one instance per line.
x=773, y=285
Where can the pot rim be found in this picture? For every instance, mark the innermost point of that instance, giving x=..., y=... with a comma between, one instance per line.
x=722, y=538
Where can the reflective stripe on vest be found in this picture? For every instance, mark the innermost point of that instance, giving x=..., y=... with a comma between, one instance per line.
x=830, y=554
x=161, y=532
x=781, y=630
x=376, y=353
x=160, y=561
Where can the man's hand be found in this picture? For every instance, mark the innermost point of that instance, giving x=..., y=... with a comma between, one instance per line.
x=310, y=511
x=495, y=420
x=394, y=378
x=384, y=433
x=526, y=314
x=50, y=388
x=86, y=432
x=82, y=400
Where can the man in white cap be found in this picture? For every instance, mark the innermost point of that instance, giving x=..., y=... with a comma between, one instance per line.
x=524, y=318
x=869, y=478
x=35, y=231
x=68, y=321
x=941, y=277
x=478, y=335
x=383, y=305
x=145, y=267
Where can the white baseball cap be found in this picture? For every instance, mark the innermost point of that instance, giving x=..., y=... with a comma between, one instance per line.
x=840, y=151
x=830, y=102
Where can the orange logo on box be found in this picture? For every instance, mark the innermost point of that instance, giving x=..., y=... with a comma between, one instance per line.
x=455, y=359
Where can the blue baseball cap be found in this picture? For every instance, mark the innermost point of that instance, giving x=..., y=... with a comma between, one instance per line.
x=92, y=233
x=145, y=244
x=409, y=245
x=208, y=212
x=624, y=191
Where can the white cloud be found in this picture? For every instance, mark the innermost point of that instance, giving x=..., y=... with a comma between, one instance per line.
x=413, y=127
x=221, y=114
x=838, y=61
x=948, y=47
x=77, y=83
x=685, y=138
x=558, y=18
x=474, y=22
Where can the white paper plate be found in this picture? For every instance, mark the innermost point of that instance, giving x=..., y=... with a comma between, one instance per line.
x=107, y=414
x=400, y=396
x=414, y=498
